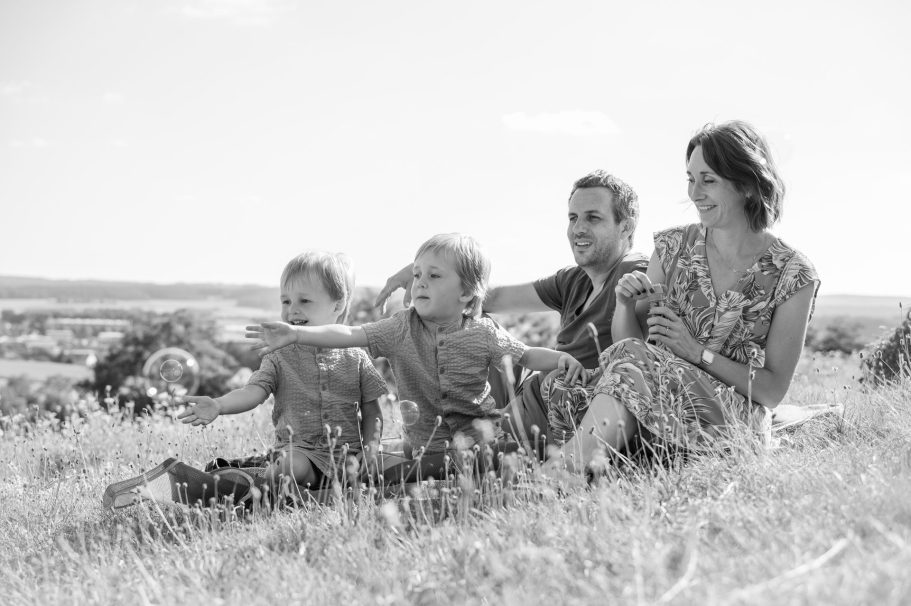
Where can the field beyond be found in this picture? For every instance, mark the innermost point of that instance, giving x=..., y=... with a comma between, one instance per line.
x=824, y=518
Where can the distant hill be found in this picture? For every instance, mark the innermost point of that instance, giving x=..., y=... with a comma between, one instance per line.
x=882, y=308
x=34, y=293
x=247, y=295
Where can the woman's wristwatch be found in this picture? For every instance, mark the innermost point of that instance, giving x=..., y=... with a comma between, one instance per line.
x=706, y=358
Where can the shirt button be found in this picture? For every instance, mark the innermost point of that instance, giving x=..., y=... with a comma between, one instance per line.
x=442, y=370
x=440, y=329
x=324, y=387
x=444, y=395
x=442, y=342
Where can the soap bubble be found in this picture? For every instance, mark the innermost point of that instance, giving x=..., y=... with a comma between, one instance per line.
x=409, y=411
x=171, y=370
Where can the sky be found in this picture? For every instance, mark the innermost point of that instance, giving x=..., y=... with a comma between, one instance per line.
x=213, y=140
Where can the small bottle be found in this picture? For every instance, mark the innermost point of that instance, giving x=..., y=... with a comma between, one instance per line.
x=656, y=295
x=656, y=298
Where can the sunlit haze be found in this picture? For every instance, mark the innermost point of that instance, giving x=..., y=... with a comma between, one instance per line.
x=211, y=140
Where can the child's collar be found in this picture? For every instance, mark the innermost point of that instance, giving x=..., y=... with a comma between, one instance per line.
x=444, y=326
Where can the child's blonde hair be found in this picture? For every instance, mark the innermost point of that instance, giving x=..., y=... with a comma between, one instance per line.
x=334, y=270
x=471, y=263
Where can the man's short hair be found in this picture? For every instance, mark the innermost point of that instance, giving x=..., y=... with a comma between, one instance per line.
x=625, y=200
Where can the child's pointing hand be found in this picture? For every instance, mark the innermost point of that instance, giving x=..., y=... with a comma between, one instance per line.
x=271, y=336
x=202, y=410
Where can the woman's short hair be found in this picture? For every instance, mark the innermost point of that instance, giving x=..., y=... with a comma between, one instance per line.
x=471, y=263
x=625, y=201
x=737, y=152
x=334, y=270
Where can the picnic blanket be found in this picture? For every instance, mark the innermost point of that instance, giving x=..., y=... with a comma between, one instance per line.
x=785, y=416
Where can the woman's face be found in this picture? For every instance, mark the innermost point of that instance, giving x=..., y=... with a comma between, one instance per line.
x=717, y=200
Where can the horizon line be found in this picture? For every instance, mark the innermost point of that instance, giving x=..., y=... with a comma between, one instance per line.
x=259, y=285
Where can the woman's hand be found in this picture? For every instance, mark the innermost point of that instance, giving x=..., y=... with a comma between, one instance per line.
x=572, y=370
x=202, y=411
x=631, y=287
x=666, y=328
x=271, y=336
x=401, y=279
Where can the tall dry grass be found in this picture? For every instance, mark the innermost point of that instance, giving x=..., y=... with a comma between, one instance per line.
x=823, y=518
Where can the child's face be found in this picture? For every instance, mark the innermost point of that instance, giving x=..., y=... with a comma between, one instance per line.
x=436, y=292
x=305, y=302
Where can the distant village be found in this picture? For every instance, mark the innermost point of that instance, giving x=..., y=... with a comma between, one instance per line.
x=68, y=340
x=42, y=342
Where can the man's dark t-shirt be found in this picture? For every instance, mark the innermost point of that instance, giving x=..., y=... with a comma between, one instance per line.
x=566, y=292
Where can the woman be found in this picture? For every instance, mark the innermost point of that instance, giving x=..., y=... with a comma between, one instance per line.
x=721, y=350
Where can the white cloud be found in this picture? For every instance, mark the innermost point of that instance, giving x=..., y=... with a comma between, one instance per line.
x=239, y=12
x=568, y=122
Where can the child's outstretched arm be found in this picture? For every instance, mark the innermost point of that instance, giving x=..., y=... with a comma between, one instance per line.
x=275, y=335
x=541, y=358
x=202, y=410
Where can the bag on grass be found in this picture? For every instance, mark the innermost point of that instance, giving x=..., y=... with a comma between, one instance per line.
x=174, y=481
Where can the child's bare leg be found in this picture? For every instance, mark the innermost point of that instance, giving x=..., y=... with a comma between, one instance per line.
x=293, y=464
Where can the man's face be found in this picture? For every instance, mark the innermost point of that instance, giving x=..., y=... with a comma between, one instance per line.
x=596, y=239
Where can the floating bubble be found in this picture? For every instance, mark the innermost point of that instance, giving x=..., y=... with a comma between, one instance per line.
x=171, y=370
x=409, y=411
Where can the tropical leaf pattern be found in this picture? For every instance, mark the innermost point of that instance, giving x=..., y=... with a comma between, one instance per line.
x=566, y=405
x=672, y=398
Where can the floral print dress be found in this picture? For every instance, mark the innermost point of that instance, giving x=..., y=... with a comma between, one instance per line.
x=675, y=400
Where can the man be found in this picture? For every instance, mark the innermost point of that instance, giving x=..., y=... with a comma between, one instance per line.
x=602, y=212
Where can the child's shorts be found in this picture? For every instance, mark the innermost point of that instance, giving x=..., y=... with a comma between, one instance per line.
x=256, y=465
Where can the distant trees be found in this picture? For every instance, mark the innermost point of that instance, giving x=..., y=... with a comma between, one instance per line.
x=24, y=397
x=193, y=331
x=842, y=334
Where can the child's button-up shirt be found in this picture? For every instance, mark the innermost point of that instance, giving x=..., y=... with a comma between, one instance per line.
x=443, y=369
x=315, y=387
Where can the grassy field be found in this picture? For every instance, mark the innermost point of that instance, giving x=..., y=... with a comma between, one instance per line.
x=824, y=518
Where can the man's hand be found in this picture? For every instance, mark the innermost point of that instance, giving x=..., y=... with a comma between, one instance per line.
x=202, y=410
x=401, y=279
x=631, y=287
x=271, y=336
x=572, y=370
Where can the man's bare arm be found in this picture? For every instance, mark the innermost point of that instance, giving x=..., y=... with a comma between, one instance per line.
x=518, y=298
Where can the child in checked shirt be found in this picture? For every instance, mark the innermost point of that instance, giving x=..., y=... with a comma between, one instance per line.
x=314, y=387
x=439, y=349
